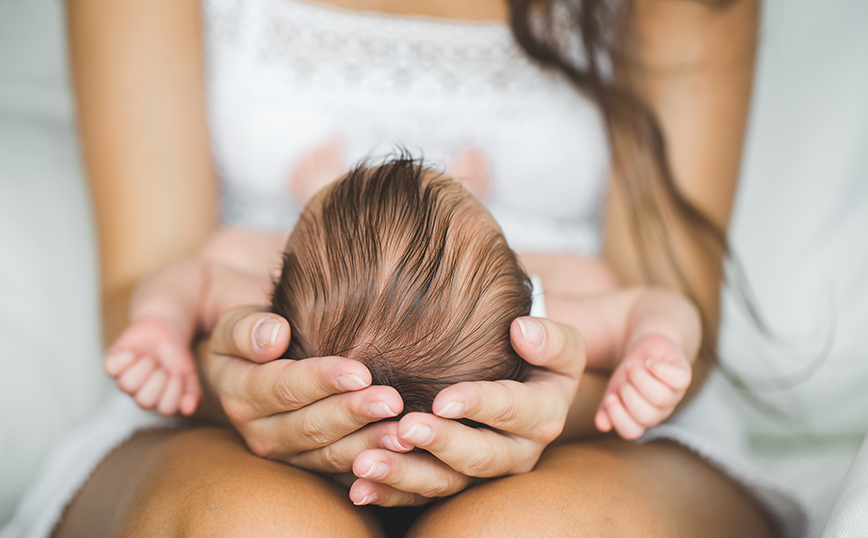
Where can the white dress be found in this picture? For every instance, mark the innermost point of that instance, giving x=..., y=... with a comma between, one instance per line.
x=286, y=77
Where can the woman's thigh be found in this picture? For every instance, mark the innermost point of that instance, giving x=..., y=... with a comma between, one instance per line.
x=203, y=482
x=603, y=488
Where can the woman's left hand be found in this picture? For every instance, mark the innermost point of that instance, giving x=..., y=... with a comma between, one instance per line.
x=524, y=418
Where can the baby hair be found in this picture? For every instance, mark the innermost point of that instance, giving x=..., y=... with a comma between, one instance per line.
x=400, y=268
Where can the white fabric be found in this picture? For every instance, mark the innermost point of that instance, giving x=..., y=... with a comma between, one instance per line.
x=849, y=517
x=800, y=228
x=50, y=377
x=49, y=337
x=73, y=462
x=538, y=304
x=712, y=429
x=286, y=76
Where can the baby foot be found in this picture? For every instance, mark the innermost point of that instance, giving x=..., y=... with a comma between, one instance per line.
x=152, y=362
x=321, y=166
x=471, y=170
x=645, y=388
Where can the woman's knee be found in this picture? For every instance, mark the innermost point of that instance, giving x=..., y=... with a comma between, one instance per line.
x=204, y=482
x=600, y=489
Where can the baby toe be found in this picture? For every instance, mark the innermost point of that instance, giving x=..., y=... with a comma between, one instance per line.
x=653, y=390
x=151, y=390
x=133, y=377
x=168, y=404
x=640, y=410
x=116, y=362
x=675, y=375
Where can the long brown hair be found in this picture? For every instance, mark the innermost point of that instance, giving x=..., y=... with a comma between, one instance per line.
x=604, y=70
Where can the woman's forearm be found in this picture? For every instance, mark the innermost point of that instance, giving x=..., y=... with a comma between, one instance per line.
x=139, y=88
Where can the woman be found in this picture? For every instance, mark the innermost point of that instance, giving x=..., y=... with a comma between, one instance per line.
x=140, y=82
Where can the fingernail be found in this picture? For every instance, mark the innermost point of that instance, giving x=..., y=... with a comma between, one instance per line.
x=380, y=410
x=453, y=409
x=368, y=499
x=349, y=382
x=390, y=442
x=265, y=333
x=532, y=331
x=419, y=434
x=376, y=471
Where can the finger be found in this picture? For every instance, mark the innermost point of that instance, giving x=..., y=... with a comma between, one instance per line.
x=118, y=361
x=151, y=390
x=415, y=472
x=364, y=492
x=548, y=344
x=524, y=409
x=169, y=401
x=248, y=332
x=338, y=457
x=645, y=414
x=677, y=376
x=621, y=420
x=284, y=435
x=478, y=452
x=136, y=374
x=652, y=389
x=252, y=391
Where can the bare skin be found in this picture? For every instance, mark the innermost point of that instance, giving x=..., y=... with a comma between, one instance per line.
x=204, y=482
x=137, y=100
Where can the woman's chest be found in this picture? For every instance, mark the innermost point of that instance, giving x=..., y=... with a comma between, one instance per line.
x=286, y=78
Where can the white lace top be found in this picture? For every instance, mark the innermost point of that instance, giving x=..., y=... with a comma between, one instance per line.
x=287, y=76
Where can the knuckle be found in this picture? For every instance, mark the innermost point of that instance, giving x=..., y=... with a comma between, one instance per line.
x=438, y=486
x=506, y=415
x=312, y=429
x=481, y=465
x=285, y=395
x=333, y=459
x=549, y=431
x=260, y=446
x=236, y=409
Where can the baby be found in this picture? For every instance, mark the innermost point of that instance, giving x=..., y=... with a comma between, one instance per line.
x=402, y=269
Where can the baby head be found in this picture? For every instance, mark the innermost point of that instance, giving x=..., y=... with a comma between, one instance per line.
x=400, y=268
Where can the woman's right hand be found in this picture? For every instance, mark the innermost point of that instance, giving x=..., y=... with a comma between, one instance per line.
x=523, y=418
x=311, y=413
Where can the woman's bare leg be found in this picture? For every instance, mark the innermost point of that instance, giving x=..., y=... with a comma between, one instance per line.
x=603, y=488
x=203, y=482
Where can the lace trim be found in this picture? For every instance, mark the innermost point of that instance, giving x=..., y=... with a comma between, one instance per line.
x=313, y=41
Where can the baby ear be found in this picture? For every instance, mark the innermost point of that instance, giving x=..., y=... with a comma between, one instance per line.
x=470, y=169
x=321, y=166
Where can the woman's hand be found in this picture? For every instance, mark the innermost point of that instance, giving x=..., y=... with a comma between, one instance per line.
x=524, y=418
x=310, y=413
